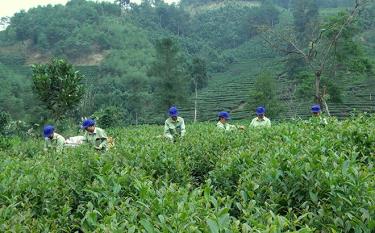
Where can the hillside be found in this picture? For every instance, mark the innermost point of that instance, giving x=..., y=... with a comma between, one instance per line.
x=113, y=48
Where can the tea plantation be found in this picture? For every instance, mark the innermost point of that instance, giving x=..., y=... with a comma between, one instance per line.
x=295, y=177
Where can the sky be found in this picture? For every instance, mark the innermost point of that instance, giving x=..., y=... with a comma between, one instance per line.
x=9, y=7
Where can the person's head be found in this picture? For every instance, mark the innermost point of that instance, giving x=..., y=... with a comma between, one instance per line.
x=173, y=113
x=88, y=125
x=260, y=111
x=315, y=110
x=223, y=116
x=48, y=131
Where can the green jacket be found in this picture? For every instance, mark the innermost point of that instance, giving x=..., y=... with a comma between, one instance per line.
x=265, y=122
x=56, y=143
x=174, y=128
x=97, y=139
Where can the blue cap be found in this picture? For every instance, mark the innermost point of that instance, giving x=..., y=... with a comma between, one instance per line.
x=260, y=110
x=224, y=115
x=48, y=130
x=87, y=123
x=315, y=108
x=173, y=112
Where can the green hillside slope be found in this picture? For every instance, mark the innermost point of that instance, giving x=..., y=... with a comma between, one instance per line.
x=111, y=48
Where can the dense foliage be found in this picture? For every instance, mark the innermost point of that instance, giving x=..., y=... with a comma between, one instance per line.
x=296, y=177
x=58, y=86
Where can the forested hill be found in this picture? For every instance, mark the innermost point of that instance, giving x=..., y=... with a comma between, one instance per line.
x=141, y=59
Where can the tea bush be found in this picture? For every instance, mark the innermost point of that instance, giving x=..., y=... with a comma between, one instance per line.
x=294, y=177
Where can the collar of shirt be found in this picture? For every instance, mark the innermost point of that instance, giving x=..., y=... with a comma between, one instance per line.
x=176, y=121
x=263, y=119
x=54, y=137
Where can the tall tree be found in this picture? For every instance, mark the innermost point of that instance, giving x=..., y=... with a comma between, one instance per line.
x=348, y=54
x=4, y=22
x=306, y=25
x=124, y=5
x=320, y=50
x=137, y=96
x=265, y=94
x=58, y=86
x=168, y=70
x=4, y=121
x=282, y=3
x=199, y=78
x=306, y=22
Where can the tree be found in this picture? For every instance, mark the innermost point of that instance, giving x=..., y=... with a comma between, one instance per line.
x=265, y=94
x=4, y=22
x=199, y=78
x=110, y=116
x=320, y=50
x=348, y=54
x=168, y=69
x=306, y=23
x=367, y=17
x=124, y=5
x=4, y=121
x=265, y=15
x=282, y=3
x=305, y=26
x=173, y=18
x=58, y=86
x=137, y=95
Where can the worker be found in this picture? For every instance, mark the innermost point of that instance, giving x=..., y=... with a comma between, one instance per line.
x=53, y=141
x=174, y=126
x=261, y=120
x=223, y=124
x=316, y=115
x=95, y=136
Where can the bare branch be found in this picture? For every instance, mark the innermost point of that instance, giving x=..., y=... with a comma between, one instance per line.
x=349, y=20
x=277, y=47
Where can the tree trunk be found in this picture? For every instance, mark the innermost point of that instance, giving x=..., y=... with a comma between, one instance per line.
x=324, y=102
x=326, y=106
x=136, y=118
x=196, y=101
x=318, y=98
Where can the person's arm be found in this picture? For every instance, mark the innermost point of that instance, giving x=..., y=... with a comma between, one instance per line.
x=232, y=127
x=103, y=137
x=85, y=139
x=268, y=123
x=220, y=126
x=252, y=124
x=241, y=127
x=167, y=133
x=60, y=144
x=45, y=145
x=183, y=130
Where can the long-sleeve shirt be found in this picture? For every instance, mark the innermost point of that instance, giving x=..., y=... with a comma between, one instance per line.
x=174, y=128
x=56, y=143
x=98, y=139
x=225, y=126
x=265, y=122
